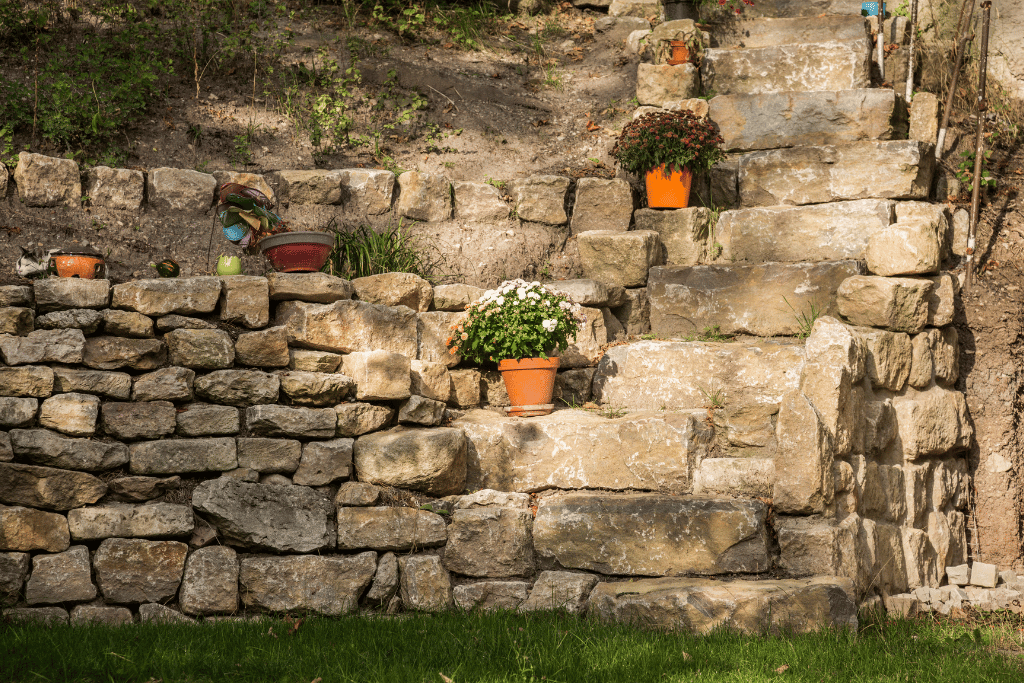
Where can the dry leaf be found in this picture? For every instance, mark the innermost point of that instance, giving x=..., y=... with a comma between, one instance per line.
x=591, y=127
x=686, y=657
x=270, y=632
x=782, y=669
x=445, y=678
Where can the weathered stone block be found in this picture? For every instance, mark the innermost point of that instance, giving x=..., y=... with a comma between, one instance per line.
x=72, y=414
x=319, y=288
x=300, y=423
x=114, y=353
x=657, y=84
x=13, y=572
x=200, y=349
x=114, y=188
x=466, y=388
x=316, y=388
x=764, y=299
x=389, y=528
x=741, y=477
x=179, y=456
x=379, y=375
x=619, y=258
x=140, y=489
x=430, y=380
x=904, y=248
x=348, y=326
x=238, y=387
x=43, y=346
x=684, y=233
x=127, y=324
x=942, y=299
x=366, y=191
x=245, y=300
x=324, y=462
x=154, y=612
x=421, y=411
x=44, y=447
x=803, y=67
x=64, y=577
x=273, y=518
x=48, y=488
x=773, y=120
x=896, y=304
x=425, y=584
x=46, y=616
x=269, y=456
x=84, y=319
x=357, y=494
x=16, y=295
x=491, y=542
x=888, y=357
x=325, y=585
x=25, y=529
x=924, y=118
x=897, y=169
x=433, y=329
x=643, y=534
x=167, y=384
x=479, y=202
x=134, y=571
x=541, y=199
x=159, y=297
x=395, y=289
x=63, y=293
x=603, y=205
x=16, y=320
x=556, y=590
x=133, y=421
x=424, y=197
x=158, y=520
x=491, y=595
x=311, y=361
x=46, y=181
x=428, y=460
x=455, y=297
x=28, y=381
x=179, y=190
x=210, y=584
x=201, y=419
x=308, y=187
x=355, y=419
x=17, y=412
x=932, y=422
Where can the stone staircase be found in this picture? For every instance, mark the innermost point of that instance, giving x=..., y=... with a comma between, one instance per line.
x=732, y=463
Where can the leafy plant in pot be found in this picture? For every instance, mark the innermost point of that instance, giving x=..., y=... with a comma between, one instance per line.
x=521, y=326
x=667, y=148
x=245, y=213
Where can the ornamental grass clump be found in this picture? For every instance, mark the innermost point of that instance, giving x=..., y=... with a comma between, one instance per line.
x=517, y=320
x=678, y=139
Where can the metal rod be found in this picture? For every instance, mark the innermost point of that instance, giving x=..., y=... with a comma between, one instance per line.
x=979, y=142
x=910, y=50
x=963, y=35
x=881, y=39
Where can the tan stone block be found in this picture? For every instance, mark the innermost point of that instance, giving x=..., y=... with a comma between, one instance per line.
x=424, y=197
x=803, y=467
x=661, y=83
x=245, y=300
x=896, y=304
x=909, y=247
x=619, y=258
x=541, y=199
x=602, y=205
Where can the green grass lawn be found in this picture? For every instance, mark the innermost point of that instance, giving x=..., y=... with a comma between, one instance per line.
x=502, y=647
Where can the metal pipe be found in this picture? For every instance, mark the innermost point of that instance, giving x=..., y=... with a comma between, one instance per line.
x=910, y=50
x=979, y=142
x=880, y=41
x=963, y=35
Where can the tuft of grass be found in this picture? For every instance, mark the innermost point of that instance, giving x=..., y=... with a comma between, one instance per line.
x=364, y=251
x=805, y=321
x=712, y=333
x=715, y=397
x=501, y=647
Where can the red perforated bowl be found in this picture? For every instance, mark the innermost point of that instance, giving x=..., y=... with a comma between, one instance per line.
x=297, y=252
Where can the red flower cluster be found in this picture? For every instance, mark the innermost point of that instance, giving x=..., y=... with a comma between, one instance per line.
x=676, y=138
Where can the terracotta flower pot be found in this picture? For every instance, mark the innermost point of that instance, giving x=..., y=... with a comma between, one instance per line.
x=530, y=383
x=668, y=189
x=303, y=251
x=680, y=52
x=84, y=266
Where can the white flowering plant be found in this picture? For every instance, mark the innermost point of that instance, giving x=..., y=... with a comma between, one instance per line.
x=517, y=320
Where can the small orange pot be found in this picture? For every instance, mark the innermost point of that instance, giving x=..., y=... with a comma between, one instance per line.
x=668, y=189
x=680, y=52
x=530, y=383
x=84, y=266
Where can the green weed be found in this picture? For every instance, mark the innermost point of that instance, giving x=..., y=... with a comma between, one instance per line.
x=363, y=251
x=805, y=321
x=715, y=397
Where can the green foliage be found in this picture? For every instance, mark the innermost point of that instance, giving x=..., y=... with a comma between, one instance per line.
x=518, y=320
x=965, y=169
x=364, y=251
x=805, y=321
x=712, y=333
x=675, y=138
x=405, y=21
x=715, y=397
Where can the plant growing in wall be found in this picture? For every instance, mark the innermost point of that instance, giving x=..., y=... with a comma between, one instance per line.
x=521, y=326
x=668, y=148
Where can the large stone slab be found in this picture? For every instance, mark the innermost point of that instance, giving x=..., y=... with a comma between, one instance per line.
x=46, y=181
x=649, y=534
x=114, y=353
x=619, y=258
x=35, y=381
x=24, y=529
x=179, y=190
x=834, y=65
x=319, y=288
x=132, y=571
x=395, y=289
x=158, y=520
x=386, y=528
x=652, y=375
x=301, y=423
x=346, y=326
x=765, y=299
x=274, y=518
x=428, y=460
x=791, y=119
x=62, y=577
x=490, y=542
x=179, y=456
x=898, y=304
x=49, y=449
x=702, y=605
x=575, y=449
x=803, y=22
x=48, y=488
x=325, y=585
x=185, y=296
x=43, y=346
x=818, y=232
x=897, y=169
x=117, y=385
x=64, y=293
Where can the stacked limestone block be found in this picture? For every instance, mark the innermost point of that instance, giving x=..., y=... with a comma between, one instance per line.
x=978, y=585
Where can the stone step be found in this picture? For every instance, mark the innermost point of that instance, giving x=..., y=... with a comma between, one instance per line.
x=578, y=449
x=651, y=534
x=895, y=169
x=832, y=65
x=791, y=30
x=764, y=299
x=678, y=375
x=702, y=605
x=817, y=232
x=792, y=119
x=803, y=8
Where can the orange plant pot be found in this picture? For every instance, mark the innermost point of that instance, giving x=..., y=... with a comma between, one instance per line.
x=530, y=383
x=668, y=189
x=680, y=52
x=84, y=266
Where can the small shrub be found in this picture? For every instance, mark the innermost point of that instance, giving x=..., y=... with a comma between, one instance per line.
x=363, y=251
